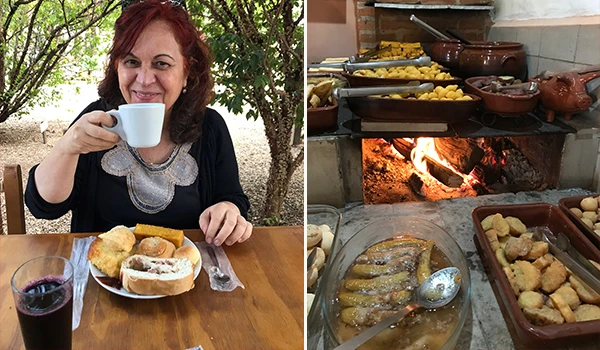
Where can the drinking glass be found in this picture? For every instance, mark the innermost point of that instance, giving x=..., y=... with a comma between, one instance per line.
x=43, y=292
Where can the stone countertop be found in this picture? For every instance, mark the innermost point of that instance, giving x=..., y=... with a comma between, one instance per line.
x=486, y=329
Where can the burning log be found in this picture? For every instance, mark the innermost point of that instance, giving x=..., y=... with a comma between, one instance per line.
x=437, y=170
x=463, y=154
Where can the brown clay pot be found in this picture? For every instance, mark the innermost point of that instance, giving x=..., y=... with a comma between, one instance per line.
x=565, y=93
x=505, y=105
x=322, y=119
x=446, y=53
x=493, y=58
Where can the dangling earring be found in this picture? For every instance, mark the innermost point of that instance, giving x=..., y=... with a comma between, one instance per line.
x=184, y=91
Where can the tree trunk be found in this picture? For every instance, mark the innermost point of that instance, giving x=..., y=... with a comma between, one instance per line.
x=280, y=174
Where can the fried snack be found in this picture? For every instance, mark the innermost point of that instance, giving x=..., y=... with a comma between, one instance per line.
x=589, y=204
x=517, y=247
x=380, y=284
x=528, y=277
x=311, y=276
x=314, y=101
x=587, y=312
x=569, y=295
x=543, y=262
x=538, y=250
x=385, y=257
x=544, y=316
x=424, y=270
x=511, y=279
x=554, y=276
x=156, y=247
x=563, y=307
x=355, y=299
x=500, y=225
x=531, y=299
x=327, y=239
x=502, y=258
x=486, y=223
x=503, y=240
x=528, y=234
x=577, y=212
x=119, y=238
x=319, y=261
x=396, y=243
x=313, y=235
x=142, y=231
x=586, y=294
x=493, y=239
x=516, y=227
x=323, y=89
x=107, y=259
x=364, y=316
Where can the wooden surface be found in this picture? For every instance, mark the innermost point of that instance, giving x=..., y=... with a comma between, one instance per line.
x=267, y=314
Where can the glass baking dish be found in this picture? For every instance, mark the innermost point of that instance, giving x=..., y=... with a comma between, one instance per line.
x=319, y=214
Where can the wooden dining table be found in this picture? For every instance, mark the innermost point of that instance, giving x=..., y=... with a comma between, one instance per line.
x=267, y=314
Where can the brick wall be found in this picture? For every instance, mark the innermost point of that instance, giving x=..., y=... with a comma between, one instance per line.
x=376, y=24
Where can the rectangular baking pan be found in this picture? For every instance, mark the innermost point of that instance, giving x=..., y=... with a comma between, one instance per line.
x=525, y=333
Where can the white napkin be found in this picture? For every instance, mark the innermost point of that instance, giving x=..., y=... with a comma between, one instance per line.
x=79, y=260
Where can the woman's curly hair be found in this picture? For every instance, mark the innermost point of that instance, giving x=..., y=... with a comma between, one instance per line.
x=187, y=115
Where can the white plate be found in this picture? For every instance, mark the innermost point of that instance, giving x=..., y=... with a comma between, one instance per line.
x=97, y=273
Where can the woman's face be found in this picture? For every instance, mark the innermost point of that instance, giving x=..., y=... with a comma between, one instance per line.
x=154, y=69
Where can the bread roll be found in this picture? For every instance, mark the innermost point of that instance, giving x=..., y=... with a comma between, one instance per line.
x=142, y=231
x=119, y=238
x=313, y=235
x=188, y=252
x=157, y=276
x=156, y=247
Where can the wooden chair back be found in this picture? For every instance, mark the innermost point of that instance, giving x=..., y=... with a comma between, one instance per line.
x=12, y=188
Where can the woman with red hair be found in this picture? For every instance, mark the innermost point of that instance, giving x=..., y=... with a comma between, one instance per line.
x=189, y=180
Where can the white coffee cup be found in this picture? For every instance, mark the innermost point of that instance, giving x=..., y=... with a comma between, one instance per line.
x=139, y=124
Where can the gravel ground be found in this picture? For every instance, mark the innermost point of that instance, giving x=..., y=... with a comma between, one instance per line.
x=21, y=142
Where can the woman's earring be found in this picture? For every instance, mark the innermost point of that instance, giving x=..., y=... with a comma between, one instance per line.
x=184, y=91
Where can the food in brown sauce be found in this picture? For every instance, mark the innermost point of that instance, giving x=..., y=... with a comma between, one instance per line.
x=547, y=292
x=382, y=281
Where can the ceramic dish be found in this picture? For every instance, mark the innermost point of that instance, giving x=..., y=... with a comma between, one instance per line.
x=565, y=204
x=322, y=119
x=122, y=292
x=505, y=105
x=405, y=110
x=525, y=333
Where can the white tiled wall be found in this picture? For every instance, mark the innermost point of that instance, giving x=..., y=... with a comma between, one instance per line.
x=553, y=48
x=560, y=47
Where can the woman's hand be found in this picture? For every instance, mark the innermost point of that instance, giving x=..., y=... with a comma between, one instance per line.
x=87, y=134
x=222, y=223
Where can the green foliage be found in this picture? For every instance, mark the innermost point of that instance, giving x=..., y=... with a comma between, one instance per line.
x=243, y=63
x=47, y=43
x=272, y=221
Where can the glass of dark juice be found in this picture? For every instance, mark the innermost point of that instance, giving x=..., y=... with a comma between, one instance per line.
x=43, y=293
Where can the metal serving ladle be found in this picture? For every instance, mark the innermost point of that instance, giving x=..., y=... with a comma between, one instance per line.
x=436, y=291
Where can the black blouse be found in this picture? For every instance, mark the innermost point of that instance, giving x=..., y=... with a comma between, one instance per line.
x=100, y=201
